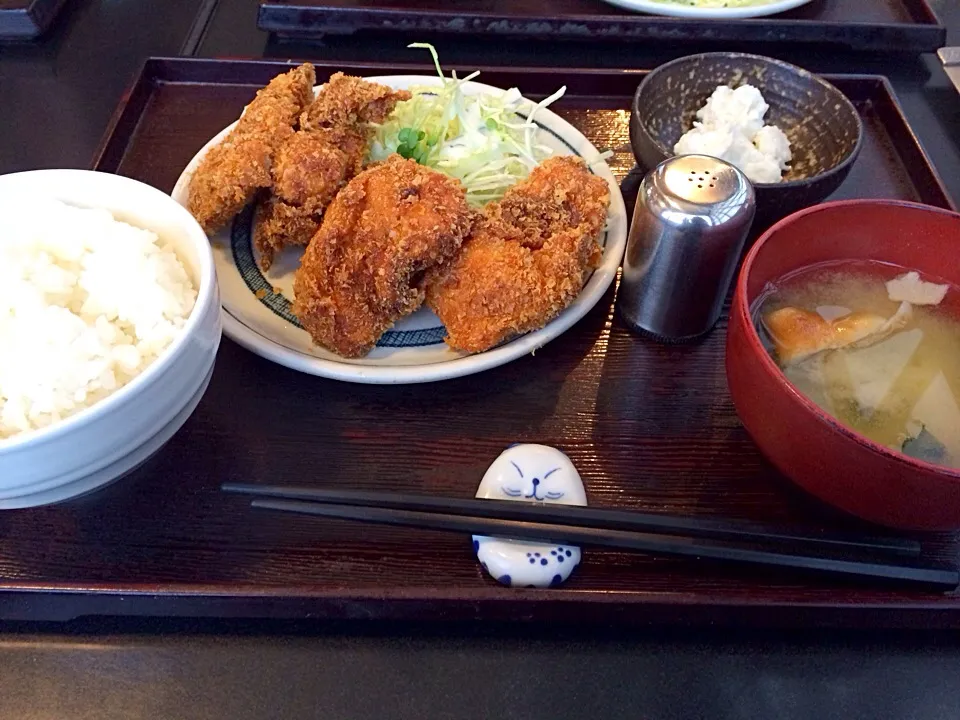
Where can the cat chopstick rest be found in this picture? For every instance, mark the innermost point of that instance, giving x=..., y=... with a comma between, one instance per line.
x=529, y=473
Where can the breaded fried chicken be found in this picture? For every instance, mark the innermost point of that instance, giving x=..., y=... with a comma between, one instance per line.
x=526, y=260
x=231, y=173
x=364, y=269
x=312, y=166
x=319, y=159
x=346, y=100
x=308, y=171
x=279, y=225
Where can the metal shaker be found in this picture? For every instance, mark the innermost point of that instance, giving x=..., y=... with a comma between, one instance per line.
x=689, y=227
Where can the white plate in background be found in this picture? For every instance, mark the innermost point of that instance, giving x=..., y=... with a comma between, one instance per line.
x=655, y=7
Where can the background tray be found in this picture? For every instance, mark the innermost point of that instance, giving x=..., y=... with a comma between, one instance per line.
x=26, y=19
x=860, y=24
x=648, y=426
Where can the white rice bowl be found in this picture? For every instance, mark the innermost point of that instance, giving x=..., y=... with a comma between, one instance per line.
x=138, y=322
x=87, y=303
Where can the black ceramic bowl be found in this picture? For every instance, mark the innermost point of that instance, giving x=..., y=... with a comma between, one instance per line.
x=823, y=127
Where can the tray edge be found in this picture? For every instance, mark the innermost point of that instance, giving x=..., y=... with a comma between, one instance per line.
x=289, y=20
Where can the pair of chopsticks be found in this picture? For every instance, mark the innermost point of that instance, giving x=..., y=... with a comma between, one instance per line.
x=885, y=558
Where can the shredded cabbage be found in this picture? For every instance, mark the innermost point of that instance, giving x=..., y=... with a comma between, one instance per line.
x=487, y=141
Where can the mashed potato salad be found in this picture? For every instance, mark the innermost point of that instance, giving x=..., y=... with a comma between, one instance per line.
x=87, y=303
x=731, y=127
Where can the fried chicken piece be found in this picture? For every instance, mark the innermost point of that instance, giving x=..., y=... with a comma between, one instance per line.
x=318, y=160
x=308, y=171
x=279, y=225
x=364, y=268
x=312, y=166
x=526, y=260
x=231, y=173
x=346, y=100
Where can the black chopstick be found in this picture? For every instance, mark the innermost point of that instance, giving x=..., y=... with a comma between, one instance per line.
x=643, y=542
x=588, y=517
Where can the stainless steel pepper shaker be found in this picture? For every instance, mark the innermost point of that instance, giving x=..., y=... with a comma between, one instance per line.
x=690, y=223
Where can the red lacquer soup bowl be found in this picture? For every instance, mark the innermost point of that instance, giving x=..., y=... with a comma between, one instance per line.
x=827, y=459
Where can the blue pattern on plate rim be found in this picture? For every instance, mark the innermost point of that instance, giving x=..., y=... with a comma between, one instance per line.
x=241, y=245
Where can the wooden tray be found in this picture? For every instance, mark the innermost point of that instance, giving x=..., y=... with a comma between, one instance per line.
x=27, y=19
x=860, y=24
x=648, y=426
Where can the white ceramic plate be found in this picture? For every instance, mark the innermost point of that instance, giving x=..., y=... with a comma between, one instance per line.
x=256, y=307
x=654, y=7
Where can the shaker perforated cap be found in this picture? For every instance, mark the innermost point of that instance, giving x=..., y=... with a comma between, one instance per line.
x=701, y=180
x=690, y=223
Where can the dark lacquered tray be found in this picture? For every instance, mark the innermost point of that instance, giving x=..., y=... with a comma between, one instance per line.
x=861, y=24
x=26, y=19
x=648, y=426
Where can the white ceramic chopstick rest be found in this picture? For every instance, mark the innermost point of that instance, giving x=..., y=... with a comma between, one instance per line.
x=529, y=473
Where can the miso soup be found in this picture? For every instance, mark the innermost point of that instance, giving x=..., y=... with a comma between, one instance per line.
x=883, y=360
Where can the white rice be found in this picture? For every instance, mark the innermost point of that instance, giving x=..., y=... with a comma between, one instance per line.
x=87, y=303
